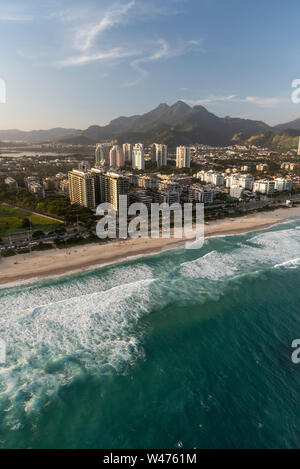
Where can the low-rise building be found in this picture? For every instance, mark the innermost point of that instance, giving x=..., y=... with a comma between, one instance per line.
x=168, y=197
x=262, y=167
x=283, y=184
x=264, y=186
x=29, y=179
x=141, y=196
x=236, y=191
x=202, y=194
x=11, y=183
x=246, y=181
x=211, y=177
x=289, y=166
x=36, y=189
x=64, y=186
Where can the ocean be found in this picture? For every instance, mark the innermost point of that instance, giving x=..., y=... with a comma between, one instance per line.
x=185, y=349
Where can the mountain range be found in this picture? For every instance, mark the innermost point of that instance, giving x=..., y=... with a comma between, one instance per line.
x=36, y=136
x=173, y=125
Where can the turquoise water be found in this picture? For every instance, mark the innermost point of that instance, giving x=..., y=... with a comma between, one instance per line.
x=186, y=349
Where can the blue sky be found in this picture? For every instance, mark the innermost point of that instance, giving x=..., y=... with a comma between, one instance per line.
x=77, y=63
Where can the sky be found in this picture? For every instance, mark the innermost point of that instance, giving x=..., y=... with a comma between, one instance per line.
x=79, y=63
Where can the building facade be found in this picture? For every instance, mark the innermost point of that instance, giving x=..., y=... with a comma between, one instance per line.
x=114, y=186
x=116, y=157
x=283, y=184
x=264, y=186
x=138, y=157
x=161, y=154
x=127, y=150
x=202, y=194
x=183, y=157
x=102, y=153
x=211, y=177
x=82, y=189
x=11, y=183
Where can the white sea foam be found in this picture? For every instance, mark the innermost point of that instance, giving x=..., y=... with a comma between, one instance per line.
x=62, y=329
x=291, y=264
x=55, y=333
x=74, y=286
x=268, y=249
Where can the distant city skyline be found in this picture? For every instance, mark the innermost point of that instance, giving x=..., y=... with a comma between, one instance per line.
x=75, y=64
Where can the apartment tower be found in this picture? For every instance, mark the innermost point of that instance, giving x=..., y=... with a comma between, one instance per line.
x=82, y=189
x=116, y=157
x=161, y=154
x=138, y=158
x=183, y=157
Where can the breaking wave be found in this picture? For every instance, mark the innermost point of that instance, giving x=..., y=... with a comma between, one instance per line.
x=54, y=334
x=266, y=250
x=90, y=324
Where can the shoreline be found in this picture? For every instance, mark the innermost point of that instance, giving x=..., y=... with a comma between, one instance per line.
x=49, y=264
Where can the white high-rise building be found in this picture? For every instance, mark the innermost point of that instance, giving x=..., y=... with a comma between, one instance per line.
x=138, y=157
x=183, y=157
x=161, y=154
x=127, y=149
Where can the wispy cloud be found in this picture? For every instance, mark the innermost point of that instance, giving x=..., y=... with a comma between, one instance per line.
x=11, y=13
x=164, y=51
x=209, y=99
x=86, y=34
x=84, y=59
x=117, y=14
x=256, y=100
x=14, y=18
x=261, y=101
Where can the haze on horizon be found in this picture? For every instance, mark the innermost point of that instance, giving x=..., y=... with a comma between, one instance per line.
x=74, y=64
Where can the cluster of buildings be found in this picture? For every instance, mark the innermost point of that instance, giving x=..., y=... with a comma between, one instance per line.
x=116, y=156
x=111, y=177
x=289, y=166
x=33, y=185
x=266, y=186
x=245, y=184
x=56, y=183
x=95, y=186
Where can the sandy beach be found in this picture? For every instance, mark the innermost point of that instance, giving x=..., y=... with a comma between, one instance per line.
x=61, y=261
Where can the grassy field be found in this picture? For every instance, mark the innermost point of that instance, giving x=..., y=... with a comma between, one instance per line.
x=13, y=220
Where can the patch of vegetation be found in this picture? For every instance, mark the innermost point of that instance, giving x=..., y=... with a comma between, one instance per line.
x=13, y=220
x=52, y=205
